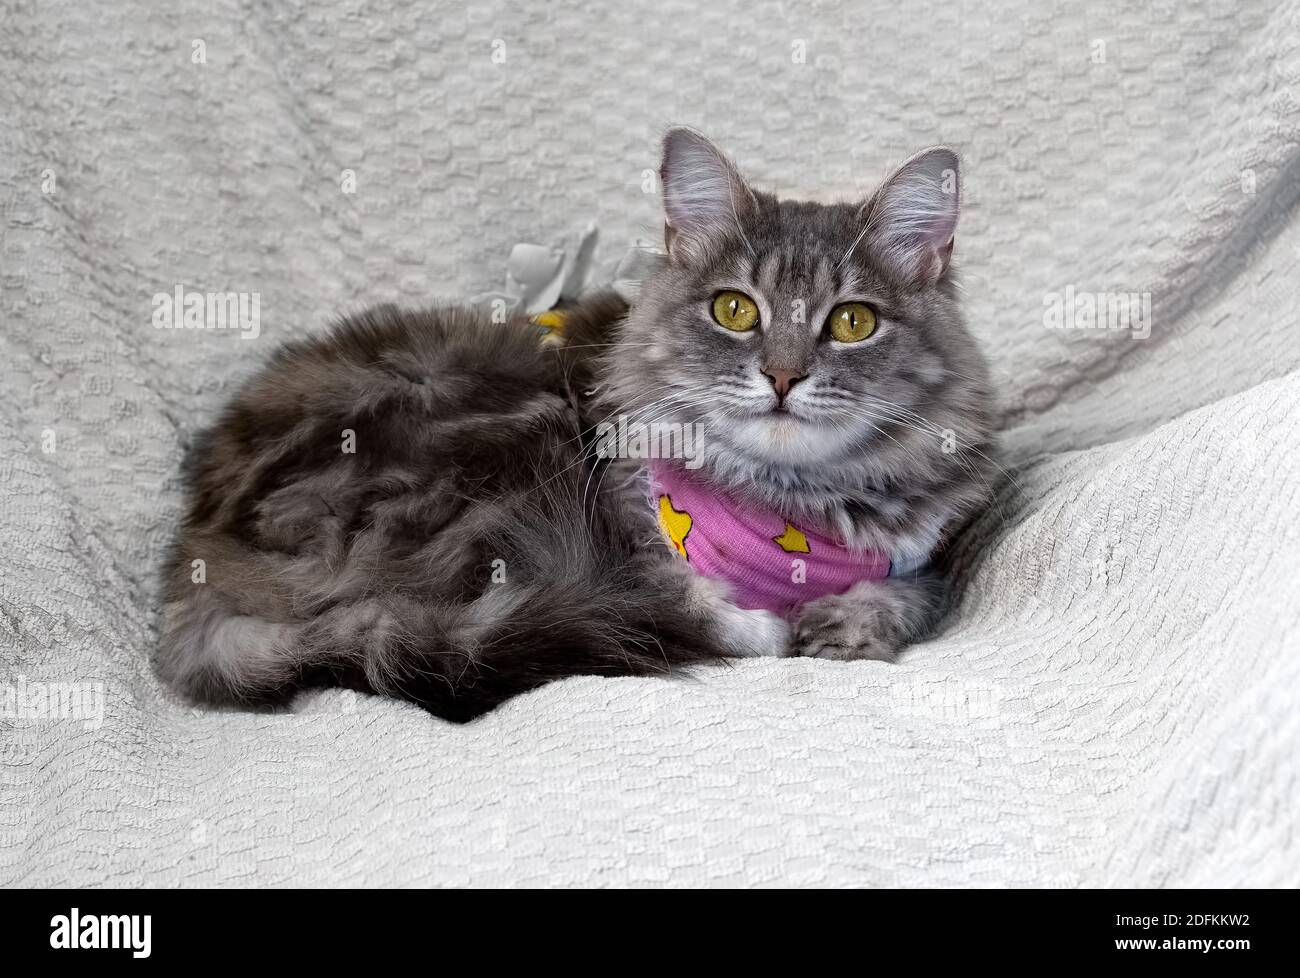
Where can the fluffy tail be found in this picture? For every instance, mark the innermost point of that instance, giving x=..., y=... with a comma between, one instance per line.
x=592, y=616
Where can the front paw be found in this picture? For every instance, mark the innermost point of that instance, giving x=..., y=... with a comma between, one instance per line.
x=755, y=633
x=845, y=641
x=836, y=628
x=740, y=632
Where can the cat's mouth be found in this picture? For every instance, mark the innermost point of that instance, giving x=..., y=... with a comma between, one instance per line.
x=783, y=414
x=790, y=437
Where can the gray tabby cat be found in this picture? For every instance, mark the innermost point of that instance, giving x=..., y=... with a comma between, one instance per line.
x=472, y=545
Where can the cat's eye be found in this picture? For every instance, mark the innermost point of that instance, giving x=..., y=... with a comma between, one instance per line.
x=736, y=311
x=852, y=322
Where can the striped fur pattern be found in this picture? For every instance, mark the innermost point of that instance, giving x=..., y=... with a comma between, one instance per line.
x=409, y=503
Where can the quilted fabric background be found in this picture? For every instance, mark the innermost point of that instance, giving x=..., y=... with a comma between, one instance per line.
x=1114, y=701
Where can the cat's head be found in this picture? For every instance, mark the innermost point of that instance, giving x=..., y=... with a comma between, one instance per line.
x=814, y=342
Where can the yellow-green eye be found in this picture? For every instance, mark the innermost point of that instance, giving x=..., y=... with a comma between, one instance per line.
x=736, y=311
x=852, y=322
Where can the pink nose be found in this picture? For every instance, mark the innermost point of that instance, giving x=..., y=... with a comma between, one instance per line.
x=783, y=380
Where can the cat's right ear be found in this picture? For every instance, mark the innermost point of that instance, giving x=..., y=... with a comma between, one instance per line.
x=703, y=191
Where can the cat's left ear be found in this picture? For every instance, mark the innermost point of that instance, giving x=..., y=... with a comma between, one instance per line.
x=912, y=219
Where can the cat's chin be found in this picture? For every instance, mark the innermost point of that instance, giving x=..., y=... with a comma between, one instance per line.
x=787, y=439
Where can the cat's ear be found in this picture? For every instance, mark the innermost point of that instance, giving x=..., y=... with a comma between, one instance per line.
x=703, y=191
x=912, y=218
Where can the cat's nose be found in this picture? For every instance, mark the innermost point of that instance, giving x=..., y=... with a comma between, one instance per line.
x=783, y=380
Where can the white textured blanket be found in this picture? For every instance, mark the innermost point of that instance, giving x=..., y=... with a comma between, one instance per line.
x=1114, y=701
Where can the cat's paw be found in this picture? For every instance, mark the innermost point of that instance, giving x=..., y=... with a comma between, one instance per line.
x=819, y=638
x=755, y=633
x=861, y=624
x=742, y=632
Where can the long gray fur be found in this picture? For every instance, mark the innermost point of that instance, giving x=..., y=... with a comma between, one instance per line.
x=470, y=546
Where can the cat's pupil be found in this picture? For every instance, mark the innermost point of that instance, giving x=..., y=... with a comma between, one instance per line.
x=734, y=306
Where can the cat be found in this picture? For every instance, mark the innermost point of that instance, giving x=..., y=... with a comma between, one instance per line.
x=416, y=503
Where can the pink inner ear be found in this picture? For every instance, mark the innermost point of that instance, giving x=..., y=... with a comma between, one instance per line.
x=945, y=254
x=702, y=190
x=915, y=215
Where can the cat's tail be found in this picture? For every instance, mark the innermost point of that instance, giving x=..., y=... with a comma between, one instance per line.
x=459, y=660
